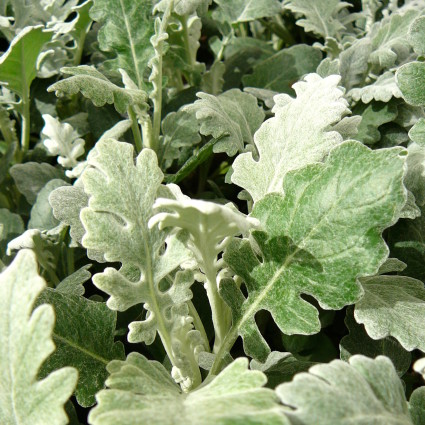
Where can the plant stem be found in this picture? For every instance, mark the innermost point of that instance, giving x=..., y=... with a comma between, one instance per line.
x=199, y=326
x=218, y=308
x=225, y=347
x=135, y=130
x=25, y=124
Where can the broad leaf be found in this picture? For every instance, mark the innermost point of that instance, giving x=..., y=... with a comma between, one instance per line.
x=299, y=134
x=95, y=86
x=297, y=61
x=363, y=391
x=26, y=343
x=140, y=388
x=416, y=35
x=417, y=406
x=233, y=116
x=18, y=64
x=317, y=240
x=84, y=339
x=31, y=177
x=359, y=342
x=41, y=213
x=395, y=306
x=411, y=80
x=247, y=10
x=73, y=284
x=121, y=196
x=126, y=30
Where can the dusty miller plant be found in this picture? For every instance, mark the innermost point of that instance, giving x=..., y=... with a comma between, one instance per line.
x=211, y=212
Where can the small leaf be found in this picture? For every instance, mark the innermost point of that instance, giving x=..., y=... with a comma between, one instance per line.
x=393, y=306
x=299, y=134
x=233, y=116
x=26, y=343
x=140, y=388
x=417, y=132
x=84, y=339
x=317, y=240
x=382, y=90
x=95, y=86
x=373, y=115
x=363, y=391
x=73, y=284
x=62, y=140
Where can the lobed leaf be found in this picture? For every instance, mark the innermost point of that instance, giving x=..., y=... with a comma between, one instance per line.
x=316, y=240
x=26, y=343
x=393, y=306
x=121, y=197
x=95, y=86
x=321, y=17
x=140, y=388
x=298, y=135
x=246, y=10
x=232, y=116
x=362, y=391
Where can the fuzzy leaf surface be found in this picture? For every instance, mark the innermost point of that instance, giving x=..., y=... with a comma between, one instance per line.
x=127, y=27
x=316, y=240
x=234, y=116
x=321, y=16
x=95, y=86
x=411, y=80
x=393, y=306
x=121, y=196
x=26, y=342
x=297, y=135
x=84, y=339
x=359, y=342
x=140, y=388
x=362, y=391
x=247, y=10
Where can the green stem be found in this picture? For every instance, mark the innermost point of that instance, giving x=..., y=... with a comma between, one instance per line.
x=135, y=130
x=225, y=347
x=189, y=57
x=199, y=326
x=277, y=27
x=25, y=124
